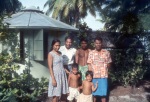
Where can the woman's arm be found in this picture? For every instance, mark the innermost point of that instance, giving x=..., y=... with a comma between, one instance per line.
x=50, y=64
x=65, y=67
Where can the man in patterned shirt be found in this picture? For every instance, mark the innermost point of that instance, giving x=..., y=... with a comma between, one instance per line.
x=99, y=61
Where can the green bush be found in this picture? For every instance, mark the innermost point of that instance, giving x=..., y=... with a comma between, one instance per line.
x=16, y=87
x=127, y=67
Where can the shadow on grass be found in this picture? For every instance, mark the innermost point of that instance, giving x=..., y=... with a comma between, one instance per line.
x=142, y=88
x=146, y=87
x=148, y=98
x=111, y=86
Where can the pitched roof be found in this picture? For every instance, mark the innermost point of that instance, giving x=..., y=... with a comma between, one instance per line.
x=32, y=18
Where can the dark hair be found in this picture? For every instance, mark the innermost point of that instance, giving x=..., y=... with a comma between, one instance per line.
x=75, y=65
x=89, y=73
x=53, y=42
x=68, y=37
x=99, y=39
x=83, y=39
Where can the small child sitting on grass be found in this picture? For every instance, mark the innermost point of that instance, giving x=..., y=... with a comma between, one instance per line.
x=73, y=81
x=87, y=88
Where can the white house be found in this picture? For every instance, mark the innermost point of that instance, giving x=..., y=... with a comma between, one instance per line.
x=35, y=33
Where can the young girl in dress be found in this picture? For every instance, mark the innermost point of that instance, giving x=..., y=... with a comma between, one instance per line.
x=87, y=88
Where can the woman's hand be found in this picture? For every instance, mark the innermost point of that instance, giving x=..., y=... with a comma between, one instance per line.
x=54, y=83
x=67, y=72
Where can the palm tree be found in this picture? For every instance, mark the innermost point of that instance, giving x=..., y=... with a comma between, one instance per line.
x=9, y=6
x=123, y=15
x=70, y=11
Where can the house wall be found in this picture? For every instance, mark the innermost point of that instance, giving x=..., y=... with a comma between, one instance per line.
x=34, y=55
x=33, y=50
x=33, y=44
x=56, y=35
x=38, y=69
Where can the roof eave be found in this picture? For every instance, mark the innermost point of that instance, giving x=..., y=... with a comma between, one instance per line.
x=41, y=27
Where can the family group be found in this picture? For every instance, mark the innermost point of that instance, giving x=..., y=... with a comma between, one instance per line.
x=78, y=75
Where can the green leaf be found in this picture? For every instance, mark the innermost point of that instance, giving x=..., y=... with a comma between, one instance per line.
x=14, y=91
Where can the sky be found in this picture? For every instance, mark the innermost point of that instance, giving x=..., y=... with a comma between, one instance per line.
x=90, y=20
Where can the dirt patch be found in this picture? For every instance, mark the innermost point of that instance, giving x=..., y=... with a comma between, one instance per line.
x=122, y=90
x=117, y=91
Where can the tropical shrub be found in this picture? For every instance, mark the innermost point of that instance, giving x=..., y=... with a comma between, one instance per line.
x=128, y=68
x=16, y=87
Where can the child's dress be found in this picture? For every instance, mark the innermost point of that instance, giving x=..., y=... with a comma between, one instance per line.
x=85, y=98
x=60, y=77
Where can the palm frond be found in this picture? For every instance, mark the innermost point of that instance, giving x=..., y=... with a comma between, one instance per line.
x=48, y=2
x=91, y=7
x=66, y=11
x=58, y=8
x=80, y=5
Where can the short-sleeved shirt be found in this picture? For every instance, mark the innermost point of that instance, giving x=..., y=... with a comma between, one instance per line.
x=67, y=54
x=99, y=61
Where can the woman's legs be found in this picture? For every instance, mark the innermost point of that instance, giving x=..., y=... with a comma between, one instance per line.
x=55, y=99
x=64, y=98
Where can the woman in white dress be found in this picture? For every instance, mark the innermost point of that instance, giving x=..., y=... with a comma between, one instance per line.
x=58, y=84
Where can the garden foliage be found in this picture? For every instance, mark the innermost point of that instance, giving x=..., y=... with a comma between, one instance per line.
x=16, y=87
x=128, y=64
x=127, y=67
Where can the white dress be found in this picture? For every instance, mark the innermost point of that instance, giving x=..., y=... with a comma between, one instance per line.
x=60, y=77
